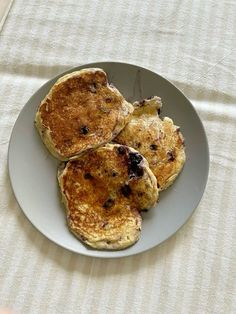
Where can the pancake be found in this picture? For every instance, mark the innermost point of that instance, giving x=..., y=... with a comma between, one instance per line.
x=159, y=141
x=81, y=111
x=103, y=192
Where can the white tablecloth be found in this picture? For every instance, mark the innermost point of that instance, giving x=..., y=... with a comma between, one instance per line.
x=192, y=43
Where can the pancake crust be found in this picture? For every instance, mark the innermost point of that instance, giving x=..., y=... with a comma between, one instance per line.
x=104, y=192
x=159, y=141
x=81, y=111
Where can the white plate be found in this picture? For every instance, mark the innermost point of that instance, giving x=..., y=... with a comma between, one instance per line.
x=33, y=170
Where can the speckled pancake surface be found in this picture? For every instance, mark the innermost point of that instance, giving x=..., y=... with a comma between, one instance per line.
x=80, y=112
x=104, y=192
x=159, y=141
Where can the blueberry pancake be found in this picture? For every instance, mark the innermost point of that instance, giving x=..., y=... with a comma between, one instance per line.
x=81, y=111
x=103, y=192
x=159, y=141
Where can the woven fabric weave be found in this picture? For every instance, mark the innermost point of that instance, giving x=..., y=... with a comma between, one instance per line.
x=191, y=43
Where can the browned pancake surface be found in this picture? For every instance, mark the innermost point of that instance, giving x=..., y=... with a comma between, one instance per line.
x=81, y=111
x=159, y=141
x=104, y=192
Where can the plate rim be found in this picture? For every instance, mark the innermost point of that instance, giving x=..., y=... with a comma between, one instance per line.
x=123, y=253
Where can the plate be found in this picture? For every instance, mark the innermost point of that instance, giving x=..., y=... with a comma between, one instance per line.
x=33, y=170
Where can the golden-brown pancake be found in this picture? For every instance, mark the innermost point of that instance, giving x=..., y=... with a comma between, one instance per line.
x=159, y=141
x=81, y=111
x=103, y=192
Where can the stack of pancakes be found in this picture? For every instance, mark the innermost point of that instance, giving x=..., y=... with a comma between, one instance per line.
x=117, y=156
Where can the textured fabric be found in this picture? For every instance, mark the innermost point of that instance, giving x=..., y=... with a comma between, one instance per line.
x=5, y=6
x=192, y=43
